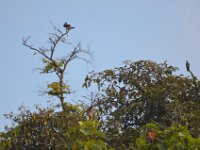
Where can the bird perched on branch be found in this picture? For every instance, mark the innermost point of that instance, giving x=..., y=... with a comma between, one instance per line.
x=68, y=26
x=187, y=65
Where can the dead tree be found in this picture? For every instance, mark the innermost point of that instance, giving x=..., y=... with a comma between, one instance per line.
x=56, y=65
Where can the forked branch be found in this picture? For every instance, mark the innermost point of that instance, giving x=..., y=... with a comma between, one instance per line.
x=56, y=65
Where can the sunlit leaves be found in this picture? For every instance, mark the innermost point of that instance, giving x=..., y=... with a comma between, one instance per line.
x=47, y=129
x=174, y=137
x=143, y=105
x=57, y=88
x=51, y=65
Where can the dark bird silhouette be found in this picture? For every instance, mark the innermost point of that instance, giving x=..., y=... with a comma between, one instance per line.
x=68, y=26
x=187, y=65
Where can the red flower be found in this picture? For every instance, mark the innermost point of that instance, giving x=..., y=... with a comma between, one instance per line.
x=151, y=135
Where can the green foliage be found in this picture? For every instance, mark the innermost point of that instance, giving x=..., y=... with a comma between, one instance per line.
x=142, y=105
x=65, y=127
x=47, y=129
x=56, y=89
x=31, y=131
x=171, y=138
x=143, y=92
x=51, y=66
x=92, y=136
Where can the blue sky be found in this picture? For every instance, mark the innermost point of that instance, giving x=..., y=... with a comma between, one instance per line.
x=114, y=30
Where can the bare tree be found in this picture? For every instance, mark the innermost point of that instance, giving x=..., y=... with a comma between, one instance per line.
x=58, y=65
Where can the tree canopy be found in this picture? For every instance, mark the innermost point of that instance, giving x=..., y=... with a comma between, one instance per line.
x=145, y=92
x=140, y=105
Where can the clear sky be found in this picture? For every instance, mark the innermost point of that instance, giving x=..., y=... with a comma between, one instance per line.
x=114, y=30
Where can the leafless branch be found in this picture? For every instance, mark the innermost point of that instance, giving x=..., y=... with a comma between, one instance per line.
x=55, y=42
x=41, y=51
x=58, y=66
x=25, y=43
x=55, y=28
